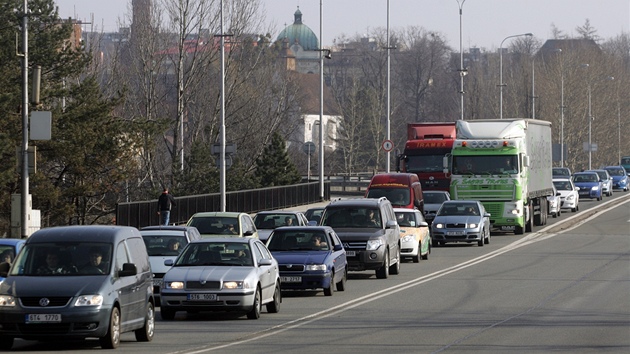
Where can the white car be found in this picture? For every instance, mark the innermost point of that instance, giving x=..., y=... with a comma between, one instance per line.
x=415, y=238
x=555, y=203
x=569, y=196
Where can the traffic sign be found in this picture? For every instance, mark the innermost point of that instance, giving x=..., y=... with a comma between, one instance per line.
x=388, y=145
x=309, y=148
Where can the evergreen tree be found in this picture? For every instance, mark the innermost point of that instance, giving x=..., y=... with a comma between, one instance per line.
x=274, y=167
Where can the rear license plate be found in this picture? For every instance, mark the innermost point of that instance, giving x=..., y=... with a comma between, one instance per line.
x=291, y=279
x=202, y=297
x=455, y=233
x=43, y=318
x=351, y=253
x=508, y=228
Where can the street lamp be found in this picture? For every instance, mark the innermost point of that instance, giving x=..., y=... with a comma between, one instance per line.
x=462, y=71
x=559, y=51
x=501, y=69
x=321, y=102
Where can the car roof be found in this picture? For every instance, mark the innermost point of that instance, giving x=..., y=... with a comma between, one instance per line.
x=561, y=179
x=11, y=241
x=303, y=228
x=83, y=233
x=217, y=213
x=224, y=239
x=405, y=210
x=166, y=228
x=281, y=212
x=373, y=202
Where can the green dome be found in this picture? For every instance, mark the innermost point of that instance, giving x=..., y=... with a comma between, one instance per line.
x=299, y=33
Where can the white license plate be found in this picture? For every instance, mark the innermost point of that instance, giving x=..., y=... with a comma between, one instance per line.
x=202, y=297
x=508, y=228
x=291, y=279
x=455, y=233
x=43, y=318
x=351, y=253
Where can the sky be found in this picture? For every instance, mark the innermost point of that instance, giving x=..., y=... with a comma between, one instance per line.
x=485, y=23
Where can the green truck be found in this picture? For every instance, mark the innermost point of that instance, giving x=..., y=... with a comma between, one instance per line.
x=506, y=164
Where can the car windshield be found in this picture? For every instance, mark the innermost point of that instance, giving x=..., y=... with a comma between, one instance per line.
x=586, y=177
x=396, y=196
x=352, y=218
x=461, y=209
x=562, y=185
x=298, y=241
x=215, y=254
x=434, y=198
x=406, y=219
x=215, y=225
x=560, y=171
x=164, y=245
x=615, y=172
x=63, y=259
x=271, y=221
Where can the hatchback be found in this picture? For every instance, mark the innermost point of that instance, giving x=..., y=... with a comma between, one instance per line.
x=589, y=183
x=620, y=177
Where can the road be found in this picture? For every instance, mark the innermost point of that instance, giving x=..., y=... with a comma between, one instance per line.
x=561, y=288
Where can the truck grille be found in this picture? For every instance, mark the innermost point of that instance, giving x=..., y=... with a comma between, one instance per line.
x=485, y=192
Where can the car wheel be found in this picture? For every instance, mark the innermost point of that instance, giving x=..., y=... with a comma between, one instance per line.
x=254, y=314
x=395, y=268
x=434, y=243
x=166, y=313
x=111, y=340
x=383, y=271
x=6, y=343
x=480, y=242
x=331, y=286
x=341, y=285
x=426, y=255
x=416, y=258
x=487, y=239
x=145, y=334
x=274, y=305
x=600, y=198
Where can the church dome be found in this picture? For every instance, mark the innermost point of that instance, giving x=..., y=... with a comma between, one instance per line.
x=299, y=33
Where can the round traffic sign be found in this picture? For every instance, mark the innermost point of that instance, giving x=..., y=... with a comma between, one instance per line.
x=388, y=145
x=308, y=148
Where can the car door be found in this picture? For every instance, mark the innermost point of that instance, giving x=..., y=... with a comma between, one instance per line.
x=338, y=256
x=124, y=285
x=266, y=274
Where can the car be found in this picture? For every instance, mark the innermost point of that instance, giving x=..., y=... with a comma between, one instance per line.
x=569, y=197
x=223, y=224
x=432, y=202
x=415, y=237
x=310, y=257
x=267, y=221
x=620, y=177
x=554, y=203
x=165, y=242
x=589, y=183
x=625, y=163
x=461, y=221
x=314, y=214
x=236, y=274
x=561, y=172
x=9, y=247
x=607, y=182
x=75, y=282
x=370, y=243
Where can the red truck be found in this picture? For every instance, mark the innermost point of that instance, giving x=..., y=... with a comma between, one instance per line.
x=426, y=146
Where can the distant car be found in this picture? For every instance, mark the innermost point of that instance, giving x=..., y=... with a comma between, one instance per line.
x=415, y=237
x=561, y=172
x=461, y=221
x=9, y=248
x=165, y=242
x=432, y=202
x=314, y=214
x=555, y=203
x=267, y=221
x=589, y=184
x=223, y=224
x=619, y=176
x=569, y=196
x=310, y=257
x=607, y=181
x=222, y=274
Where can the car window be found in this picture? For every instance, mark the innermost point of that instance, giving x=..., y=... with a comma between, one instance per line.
x=164, y=245
x=63, y=258
x=121, y=256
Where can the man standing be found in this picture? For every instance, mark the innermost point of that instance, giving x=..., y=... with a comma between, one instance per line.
x=165, y=201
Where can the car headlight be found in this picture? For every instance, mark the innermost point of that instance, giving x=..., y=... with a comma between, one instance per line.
x=439, y=226
x=373, y=244
x=89, y=300
x=595, y=188
x=407, y=238
x=472, y=226
x=176, y=285
x=316, y=267
x=232, y=285
x=570, y=197
x=7, y=301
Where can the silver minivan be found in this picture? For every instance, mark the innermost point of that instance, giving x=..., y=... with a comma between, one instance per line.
x=78, y=282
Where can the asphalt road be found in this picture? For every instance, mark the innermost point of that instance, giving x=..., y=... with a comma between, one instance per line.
x=561, y=288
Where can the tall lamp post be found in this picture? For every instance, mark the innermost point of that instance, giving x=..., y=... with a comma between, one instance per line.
x=24, y=151
x=321, y=102
x=387, y=162
x=462, y=71
x=501, y=69
x=559, y=51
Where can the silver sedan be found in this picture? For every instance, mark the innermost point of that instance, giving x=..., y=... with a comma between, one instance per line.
x=461, y=221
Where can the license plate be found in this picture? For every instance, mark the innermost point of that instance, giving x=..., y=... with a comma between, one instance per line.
x=508, y=228
x=43, y=318
x=202, y=297
x=157, y=282
x=291, y=279
x=455, y=233
x=351, y=253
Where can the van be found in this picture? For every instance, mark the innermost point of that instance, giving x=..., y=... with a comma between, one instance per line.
x=403, y=190
x=75, y=282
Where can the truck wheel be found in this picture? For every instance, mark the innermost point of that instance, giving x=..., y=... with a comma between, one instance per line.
x=383, y=271
x=518, y=230
x=529, y=225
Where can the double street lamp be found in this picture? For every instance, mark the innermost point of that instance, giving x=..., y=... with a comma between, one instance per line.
x=501, y=69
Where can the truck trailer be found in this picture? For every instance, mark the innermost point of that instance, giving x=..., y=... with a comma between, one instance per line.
x=506, y=164
x=426, y=146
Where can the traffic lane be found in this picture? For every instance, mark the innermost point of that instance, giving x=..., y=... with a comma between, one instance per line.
x=556, y=292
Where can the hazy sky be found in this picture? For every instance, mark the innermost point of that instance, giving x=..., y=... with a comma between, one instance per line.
x=485, y=22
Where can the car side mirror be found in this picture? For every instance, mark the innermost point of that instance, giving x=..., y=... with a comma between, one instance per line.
x=337, y=247
x=390, y=224
x=423, y=224
x=248, y=233
x=265, y=262
x=128, y=269
x=486, y=215
x=168, y=262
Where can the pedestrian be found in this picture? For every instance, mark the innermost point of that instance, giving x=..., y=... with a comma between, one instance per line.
x=165, y=202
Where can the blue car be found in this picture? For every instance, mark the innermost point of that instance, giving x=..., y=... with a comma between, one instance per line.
x=619, y=176
x=9, y=248
x=589, y=183
x=310, y=258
